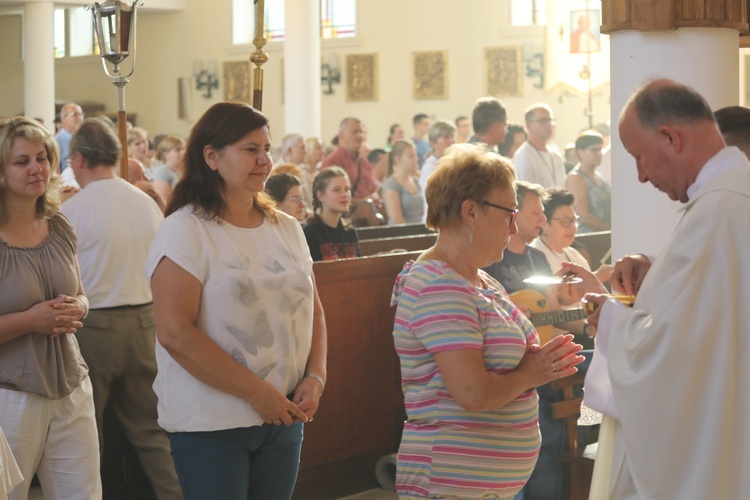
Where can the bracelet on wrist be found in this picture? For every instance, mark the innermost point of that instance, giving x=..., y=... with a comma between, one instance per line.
x=320, y=380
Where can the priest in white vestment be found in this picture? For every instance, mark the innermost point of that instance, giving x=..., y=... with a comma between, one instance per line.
x=672, y=374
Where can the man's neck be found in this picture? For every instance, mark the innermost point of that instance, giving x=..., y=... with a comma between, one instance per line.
x=419, y=136
x=352, y=154
x=538, y=143
x=485, y=138
x=516, y=245
x=86, y=176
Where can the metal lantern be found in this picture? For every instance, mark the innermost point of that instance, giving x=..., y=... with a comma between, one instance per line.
x=114, y=24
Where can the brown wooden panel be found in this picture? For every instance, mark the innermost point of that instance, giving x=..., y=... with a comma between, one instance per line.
x=406, y=243
x=597, y=244
x=362, y=411
x=650, y=15
x=566, y=408
x=644, y=15
x=620, y=10
x=694, y=9
x=736, y=10
x=375, y=232
x=716, y=9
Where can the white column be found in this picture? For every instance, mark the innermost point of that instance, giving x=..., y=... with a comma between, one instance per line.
x=302, y=68
x=39, y=61
x=704, y=58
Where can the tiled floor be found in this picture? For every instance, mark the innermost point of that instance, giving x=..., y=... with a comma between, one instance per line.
x=377, y=494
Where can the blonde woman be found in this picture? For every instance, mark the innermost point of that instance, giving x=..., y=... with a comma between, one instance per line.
x=470, y=360
x=46, y=399
x=170, y=152
x=311, y=166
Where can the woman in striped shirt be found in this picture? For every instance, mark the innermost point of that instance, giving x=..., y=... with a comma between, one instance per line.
x=470, y=360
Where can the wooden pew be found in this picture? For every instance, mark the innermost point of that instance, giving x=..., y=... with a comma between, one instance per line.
x=597, y=244
x=407, y=243
x=362, y=412
x=375, y=232
x=581, y=466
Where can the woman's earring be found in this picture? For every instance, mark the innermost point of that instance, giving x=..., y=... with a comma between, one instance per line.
x=471, y=235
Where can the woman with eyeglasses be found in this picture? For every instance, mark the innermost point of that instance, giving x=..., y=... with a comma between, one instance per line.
x=286, y=191
x=592, y=193
x=470, y=360
x=559, y=232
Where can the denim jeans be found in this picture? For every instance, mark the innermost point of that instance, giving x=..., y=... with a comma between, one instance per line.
x=247, y=463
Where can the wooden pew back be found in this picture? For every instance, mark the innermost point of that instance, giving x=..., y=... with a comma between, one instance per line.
x=361, y=414
x=597, y=244
x=406, y=243
x=375, y=232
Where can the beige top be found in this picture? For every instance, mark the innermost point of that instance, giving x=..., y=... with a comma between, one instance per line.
x=50, y=367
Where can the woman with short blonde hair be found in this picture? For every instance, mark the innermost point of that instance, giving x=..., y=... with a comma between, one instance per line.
x=470, y=360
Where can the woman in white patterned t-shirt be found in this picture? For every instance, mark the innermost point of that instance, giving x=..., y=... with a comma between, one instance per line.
x=241, y=345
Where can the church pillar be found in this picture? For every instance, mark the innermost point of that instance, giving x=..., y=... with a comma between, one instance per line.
x=39, y=61
x=302, y=91
x=695, y=42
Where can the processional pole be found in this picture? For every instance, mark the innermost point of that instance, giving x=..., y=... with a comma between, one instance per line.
x=259, y=57
x=114, y=24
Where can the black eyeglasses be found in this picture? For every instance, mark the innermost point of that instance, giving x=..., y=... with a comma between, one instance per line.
x=567, y=221
x=513, y=212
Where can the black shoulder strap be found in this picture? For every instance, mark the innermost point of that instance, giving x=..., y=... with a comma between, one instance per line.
x=359, y=176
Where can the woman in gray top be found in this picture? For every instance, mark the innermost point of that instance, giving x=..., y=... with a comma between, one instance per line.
x=592, y=193
x=46, y=404
x=403, y=199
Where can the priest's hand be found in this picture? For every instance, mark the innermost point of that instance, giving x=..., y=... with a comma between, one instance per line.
x=575, y=291
x=629, y=273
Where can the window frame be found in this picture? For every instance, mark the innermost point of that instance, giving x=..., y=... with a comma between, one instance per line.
x=278, y=46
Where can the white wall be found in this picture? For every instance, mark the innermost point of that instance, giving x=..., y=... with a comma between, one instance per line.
x=168, y=42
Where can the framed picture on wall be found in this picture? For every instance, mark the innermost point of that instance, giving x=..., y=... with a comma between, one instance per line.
x=504, y=71
x=237, y=81
x=431, y=75
x=362, y=77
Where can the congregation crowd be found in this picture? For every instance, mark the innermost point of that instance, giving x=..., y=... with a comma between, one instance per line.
x=185, y=297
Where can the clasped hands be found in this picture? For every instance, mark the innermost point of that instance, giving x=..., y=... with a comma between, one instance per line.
x=57, y=316
x=274, y=408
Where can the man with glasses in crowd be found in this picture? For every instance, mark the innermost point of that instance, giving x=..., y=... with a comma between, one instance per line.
x=534, y=161
x=71, y=115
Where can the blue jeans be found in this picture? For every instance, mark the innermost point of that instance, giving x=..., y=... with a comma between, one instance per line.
x=247, y=463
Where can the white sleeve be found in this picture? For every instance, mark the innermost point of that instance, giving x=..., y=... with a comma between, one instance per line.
x=598, y=387
x=179, y=239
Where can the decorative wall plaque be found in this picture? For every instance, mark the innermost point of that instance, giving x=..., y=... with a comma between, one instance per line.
x=362, y=77
x=431, y=75
x=504, y=71
x=237, y=81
